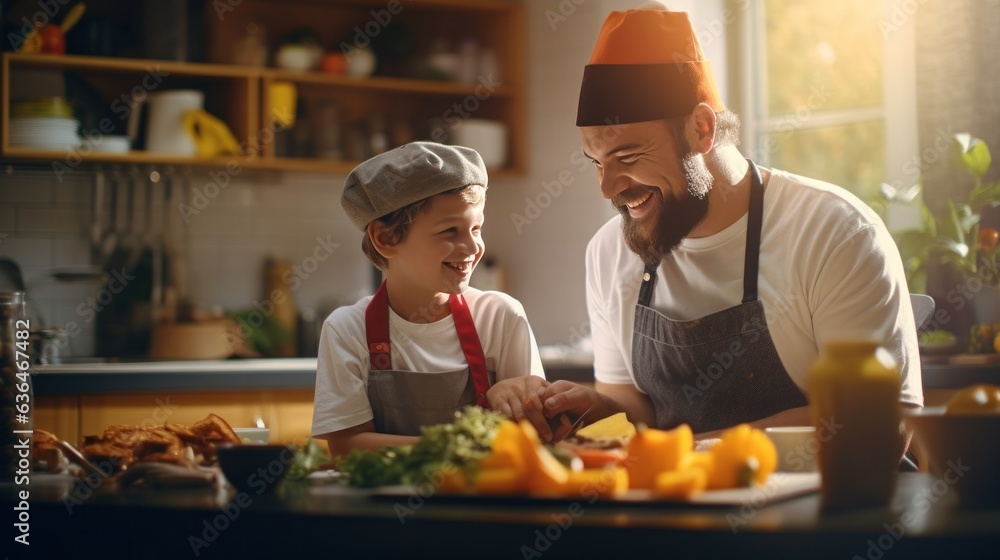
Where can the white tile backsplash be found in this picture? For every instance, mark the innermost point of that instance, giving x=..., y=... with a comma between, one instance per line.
x=6, y=222
x=75, y=193
x=33, y=251
x=45, y=225
x=50, y=220
x=26, y=188
x=69, y=253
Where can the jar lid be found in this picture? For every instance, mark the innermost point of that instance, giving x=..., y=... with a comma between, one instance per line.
x=8, y=298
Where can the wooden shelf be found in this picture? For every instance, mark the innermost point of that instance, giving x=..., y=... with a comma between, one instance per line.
x=402, y=85
x=203, y=70
x=135, y=157
x=239, y=95
x=150, y=158
x=105, y=64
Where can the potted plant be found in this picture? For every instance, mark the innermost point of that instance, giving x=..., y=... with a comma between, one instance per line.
x=953, y=248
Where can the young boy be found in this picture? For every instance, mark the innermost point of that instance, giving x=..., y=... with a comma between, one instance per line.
x=426, y=344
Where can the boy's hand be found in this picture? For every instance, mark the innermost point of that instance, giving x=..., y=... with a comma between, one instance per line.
x=518, y=398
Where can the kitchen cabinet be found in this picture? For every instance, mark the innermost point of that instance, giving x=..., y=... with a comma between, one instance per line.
x=406, y=104
x=75, y=400
x=288, y=412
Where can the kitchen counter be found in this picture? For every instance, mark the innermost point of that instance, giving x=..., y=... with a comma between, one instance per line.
x=300, y=373
x=270, y=373
x=301, y=520
x=950, y=376
x=124, y=377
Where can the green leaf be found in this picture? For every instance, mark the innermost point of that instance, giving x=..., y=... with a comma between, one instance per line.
x=951, y=248
x=974, y=154
x=905, y=195
x=914, y=244
x=952, y=227
x=928, y=219
x=985, y=195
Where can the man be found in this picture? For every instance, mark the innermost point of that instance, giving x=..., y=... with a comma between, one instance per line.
x=714, y=291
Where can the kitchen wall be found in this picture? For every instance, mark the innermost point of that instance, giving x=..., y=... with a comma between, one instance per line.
x=958, y=88
x=537, y=226
x=45, y=227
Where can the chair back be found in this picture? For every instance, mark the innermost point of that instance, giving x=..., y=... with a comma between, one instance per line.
x=923, y=309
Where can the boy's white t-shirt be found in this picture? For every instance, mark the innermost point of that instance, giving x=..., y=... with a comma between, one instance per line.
x=828, y=268
x=341, y=399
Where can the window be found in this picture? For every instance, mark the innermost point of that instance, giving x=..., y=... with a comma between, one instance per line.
x=827, y=89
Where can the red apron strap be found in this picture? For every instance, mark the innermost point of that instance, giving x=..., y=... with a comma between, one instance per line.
x=377, y=333
x=471, y=346
x=377, y=329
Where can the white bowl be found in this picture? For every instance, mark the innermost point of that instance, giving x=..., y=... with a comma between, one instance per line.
x=108, y=144
x=487, y=137
x=254, y=435
x=296, y=57
x=796, y=446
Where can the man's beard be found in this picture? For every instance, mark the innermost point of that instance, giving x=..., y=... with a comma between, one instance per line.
x=678, y=214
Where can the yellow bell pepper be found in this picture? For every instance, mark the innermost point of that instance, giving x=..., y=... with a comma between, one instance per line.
x=743, y=456
x=500, y=481
x=682, y=483
x=451, y=481
x=653, y=451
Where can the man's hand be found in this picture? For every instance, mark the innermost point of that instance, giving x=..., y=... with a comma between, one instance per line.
x=563, y=399
x=518, y=398
x=568, y=397
x=605, y=399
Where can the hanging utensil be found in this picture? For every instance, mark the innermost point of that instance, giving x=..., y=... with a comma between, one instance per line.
x=129, y=248
x=109, y=238
x=154, y=246
x=97, y=216
x=135, y=240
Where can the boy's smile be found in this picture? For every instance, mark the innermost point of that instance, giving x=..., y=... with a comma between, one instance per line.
x=436, y=258
x=464, y=267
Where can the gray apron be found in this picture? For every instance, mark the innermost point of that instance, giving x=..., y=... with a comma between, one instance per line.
x=403, y=401
x=719, y=370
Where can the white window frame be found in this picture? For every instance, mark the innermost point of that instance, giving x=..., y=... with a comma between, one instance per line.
x=898, y=110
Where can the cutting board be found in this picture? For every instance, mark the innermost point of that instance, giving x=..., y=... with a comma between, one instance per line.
x=779, y=487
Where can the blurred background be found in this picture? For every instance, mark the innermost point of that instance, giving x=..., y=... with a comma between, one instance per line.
x=181, y=162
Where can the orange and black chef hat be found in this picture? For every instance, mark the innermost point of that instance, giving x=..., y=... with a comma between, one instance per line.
x=647, y=65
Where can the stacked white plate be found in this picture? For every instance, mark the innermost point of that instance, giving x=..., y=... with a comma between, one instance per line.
x=46, y=133
x=106, y=144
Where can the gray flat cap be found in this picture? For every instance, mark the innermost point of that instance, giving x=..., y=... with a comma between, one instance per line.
x=407, y=174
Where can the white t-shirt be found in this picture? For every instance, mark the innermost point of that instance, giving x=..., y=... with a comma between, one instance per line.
x=341, y=399
x=828, y=268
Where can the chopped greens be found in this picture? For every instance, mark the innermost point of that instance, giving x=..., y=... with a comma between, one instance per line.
x=308, y=457
x=460, y=444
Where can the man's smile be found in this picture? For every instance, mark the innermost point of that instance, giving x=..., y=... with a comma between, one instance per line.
x=639, y=206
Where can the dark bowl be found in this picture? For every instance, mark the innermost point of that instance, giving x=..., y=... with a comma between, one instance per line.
x=255, y=469
x=961, y=450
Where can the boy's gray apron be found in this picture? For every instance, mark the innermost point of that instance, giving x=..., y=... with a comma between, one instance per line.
x=403, y=401
x=720, y=370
